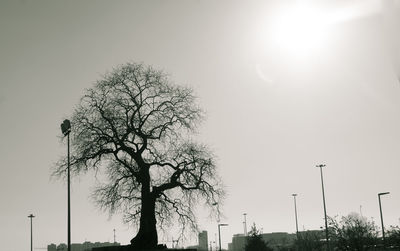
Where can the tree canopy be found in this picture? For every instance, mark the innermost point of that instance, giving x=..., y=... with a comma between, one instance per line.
x=353, y=232
x=393, y=236
x=255, y=241
x=136, y=127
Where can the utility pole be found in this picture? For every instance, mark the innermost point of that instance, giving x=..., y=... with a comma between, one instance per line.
x=245, y=224
x=31, y=216
x=380, y=210
x=114, y=236
x=295, y=215
x=66, y=129
x=323, y=198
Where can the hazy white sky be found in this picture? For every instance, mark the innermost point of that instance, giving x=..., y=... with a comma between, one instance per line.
x=286, y=85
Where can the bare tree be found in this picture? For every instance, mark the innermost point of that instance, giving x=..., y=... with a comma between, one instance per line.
x=135, y=126
x=353, y=232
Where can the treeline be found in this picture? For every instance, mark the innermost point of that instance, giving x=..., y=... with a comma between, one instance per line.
x=352, y=232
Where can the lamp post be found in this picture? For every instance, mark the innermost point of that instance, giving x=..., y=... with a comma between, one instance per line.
x=380, y=210
x=66, y=129
x=323, y=199
x=219, y=233
x=31, y=216
x=295, y=215
x=245, y=224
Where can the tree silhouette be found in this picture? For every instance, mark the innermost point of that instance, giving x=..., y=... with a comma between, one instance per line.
x=353, y=232
x=255, y=242
x=393, y=238
x=135, y=127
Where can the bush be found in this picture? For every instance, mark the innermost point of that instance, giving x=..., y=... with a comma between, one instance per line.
x=255, y=242
x=353, y=232
x=393, y=236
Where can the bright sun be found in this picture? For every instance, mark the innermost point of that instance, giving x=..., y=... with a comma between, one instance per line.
x=299, y=29
x=304, y=27
x=297, y=35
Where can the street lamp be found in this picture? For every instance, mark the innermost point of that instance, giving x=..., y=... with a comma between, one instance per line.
x=245, y=224
x=295, y=214
x=380, y=209
x=66, y=129
x=31, y=216
x=323, y=198
x=219, y=233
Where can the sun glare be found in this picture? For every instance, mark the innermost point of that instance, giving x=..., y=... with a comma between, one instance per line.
x=298, y=35
x=299, y=30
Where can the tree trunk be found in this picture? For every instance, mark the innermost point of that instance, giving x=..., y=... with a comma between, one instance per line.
x=146, y=238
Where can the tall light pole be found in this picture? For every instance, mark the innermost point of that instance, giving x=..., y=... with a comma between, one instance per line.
x=323, y=198
x=219, y=233
x=31, y=216
x=295, y=215
x=66, y=129
x=245, y=224
x=380, y=210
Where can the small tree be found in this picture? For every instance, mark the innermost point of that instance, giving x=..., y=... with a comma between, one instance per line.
x=254, y=241
x=353, y=232
x=393, y=236
x=135, y=126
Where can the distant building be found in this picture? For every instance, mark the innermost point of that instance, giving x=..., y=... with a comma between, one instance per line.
x=279, y=239
x=192, y=247
x=203, y=241
x=86, y=246
x=274, y=240
x=318, y=233
x=238, y=243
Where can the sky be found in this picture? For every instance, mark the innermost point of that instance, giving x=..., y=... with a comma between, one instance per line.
x=286, y=85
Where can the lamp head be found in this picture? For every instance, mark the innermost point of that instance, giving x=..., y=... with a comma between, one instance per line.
x=66, y=127
x=379, y=194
